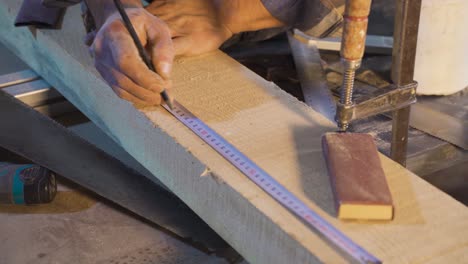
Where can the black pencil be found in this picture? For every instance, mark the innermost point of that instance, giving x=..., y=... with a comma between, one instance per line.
x=141, y=49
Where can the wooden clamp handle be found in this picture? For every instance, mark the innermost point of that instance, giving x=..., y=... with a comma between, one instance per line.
x=355, y=29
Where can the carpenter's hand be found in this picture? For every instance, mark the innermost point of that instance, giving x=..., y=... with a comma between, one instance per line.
x=195, y=25
x=119, y=63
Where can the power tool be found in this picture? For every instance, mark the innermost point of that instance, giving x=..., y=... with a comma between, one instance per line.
x=26, y=184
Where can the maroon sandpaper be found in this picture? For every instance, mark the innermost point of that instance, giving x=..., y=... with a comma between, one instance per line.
x=357, y=178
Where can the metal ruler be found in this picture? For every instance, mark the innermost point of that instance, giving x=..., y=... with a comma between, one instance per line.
x=270, y=185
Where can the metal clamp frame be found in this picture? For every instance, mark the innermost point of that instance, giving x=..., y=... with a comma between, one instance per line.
x=404, y=56
x=399, y=96
x=386, y=99
x=396, y=98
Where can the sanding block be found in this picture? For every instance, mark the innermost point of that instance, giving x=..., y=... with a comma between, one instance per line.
x=357, y=178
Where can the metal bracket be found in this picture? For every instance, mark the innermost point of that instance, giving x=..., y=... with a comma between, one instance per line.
x=383, y=100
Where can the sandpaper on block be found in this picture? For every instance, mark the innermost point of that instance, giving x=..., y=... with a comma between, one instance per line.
x=357, y=178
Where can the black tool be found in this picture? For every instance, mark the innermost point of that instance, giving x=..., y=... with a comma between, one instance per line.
x=141, y=49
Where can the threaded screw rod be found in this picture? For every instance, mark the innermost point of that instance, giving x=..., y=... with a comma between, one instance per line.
x=346, y=94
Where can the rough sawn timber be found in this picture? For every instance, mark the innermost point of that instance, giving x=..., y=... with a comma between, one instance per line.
x=278, y=132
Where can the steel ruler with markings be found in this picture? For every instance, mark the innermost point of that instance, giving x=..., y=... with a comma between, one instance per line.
x=271, y=186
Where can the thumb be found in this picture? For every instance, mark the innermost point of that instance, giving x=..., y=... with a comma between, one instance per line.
x=162, y=51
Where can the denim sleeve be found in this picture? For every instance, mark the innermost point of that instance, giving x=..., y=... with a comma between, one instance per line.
x=305, y=14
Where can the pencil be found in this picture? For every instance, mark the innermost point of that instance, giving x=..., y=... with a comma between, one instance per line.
x=141, y=49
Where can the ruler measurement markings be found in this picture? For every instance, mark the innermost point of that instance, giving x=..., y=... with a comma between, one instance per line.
x=270, y=185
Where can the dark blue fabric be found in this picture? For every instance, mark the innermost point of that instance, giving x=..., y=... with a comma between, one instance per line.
x=33, y=13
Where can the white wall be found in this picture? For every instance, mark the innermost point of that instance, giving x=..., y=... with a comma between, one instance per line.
x=442, y=53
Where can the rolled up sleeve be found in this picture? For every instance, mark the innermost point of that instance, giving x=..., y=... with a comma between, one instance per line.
x=315, y=16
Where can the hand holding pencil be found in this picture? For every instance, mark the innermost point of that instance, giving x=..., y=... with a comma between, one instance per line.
x=125, y=47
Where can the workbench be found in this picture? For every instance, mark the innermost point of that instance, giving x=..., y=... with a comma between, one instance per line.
x=219, y=193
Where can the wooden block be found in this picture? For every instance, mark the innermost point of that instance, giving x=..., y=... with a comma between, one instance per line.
x=358, y=180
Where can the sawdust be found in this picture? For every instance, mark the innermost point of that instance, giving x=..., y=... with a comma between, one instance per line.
x=64, y=202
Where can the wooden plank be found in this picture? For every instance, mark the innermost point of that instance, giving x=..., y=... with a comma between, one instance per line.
x=42, y=141
x=279, y=133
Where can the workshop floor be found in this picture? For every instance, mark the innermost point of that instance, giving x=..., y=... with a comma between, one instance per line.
x=78, y=227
